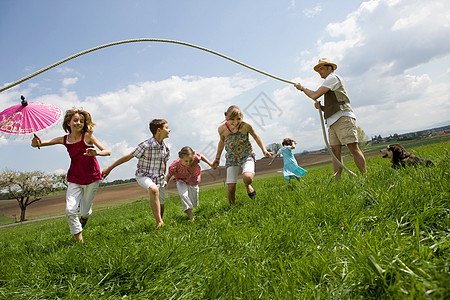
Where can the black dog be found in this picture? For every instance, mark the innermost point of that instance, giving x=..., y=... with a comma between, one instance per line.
x=400, y=157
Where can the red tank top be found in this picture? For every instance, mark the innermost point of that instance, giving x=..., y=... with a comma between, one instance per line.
x=83, y=169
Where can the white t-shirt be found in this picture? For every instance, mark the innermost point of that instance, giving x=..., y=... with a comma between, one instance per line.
x=333, y=83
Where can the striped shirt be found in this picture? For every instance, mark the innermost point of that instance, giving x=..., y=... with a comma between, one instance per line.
x=152, y=158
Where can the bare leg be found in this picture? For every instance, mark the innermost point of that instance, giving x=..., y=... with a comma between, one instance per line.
x=189, y=214
x=154, y=204
x=336, y=149
x=358, y=157
x=231, y=193
x=79, y=237
x=248, y=179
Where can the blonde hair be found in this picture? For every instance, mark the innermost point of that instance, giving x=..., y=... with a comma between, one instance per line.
x=186, y=151
x=88, y=124
x=233, y=112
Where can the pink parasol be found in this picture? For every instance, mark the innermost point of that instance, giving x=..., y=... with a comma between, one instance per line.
x=28, y=118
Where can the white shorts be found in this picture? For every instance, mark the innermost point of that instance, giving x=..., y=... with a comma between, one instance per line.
x=147, y=182
x=233, y=171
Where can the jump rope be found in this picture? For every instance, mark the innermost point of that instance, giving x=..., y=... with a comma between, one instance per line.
x=184, y=44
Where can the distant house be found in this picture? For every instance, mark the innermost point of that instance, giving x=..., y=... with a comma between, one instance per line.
x=442, y=132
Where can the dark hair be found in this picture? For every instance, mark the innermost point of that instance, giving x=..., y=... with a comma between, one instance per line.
x=288, y=142
x=155, y=124
x=88, y=124
x=186, y=151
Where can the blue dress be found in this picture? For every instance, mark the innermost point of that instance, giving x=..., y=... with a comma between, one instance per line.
x=291, y=168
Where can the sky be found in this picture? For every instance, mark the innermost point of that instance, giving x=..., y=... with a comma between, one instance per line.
x=393, y=55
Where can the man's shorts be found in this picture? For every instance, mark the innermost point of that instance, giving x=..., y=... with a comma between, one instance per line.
x=147, y=182
x=233, y=171
x=343, y=132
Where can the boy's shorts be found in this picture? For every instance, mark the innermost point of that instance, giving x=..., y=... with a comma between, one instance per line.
x=343, y=132
x=147, y=182
x=247, y=167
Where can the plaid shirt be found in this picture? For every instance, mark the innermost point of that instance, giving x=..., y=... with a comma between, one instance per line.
x=152, y=158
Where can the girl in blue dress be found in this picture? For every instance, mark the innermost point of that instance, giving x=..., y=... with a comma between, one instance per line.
x=291, y=169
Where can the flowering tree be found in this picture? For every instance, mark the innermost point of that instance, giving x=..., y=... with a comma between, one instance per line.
x=26, y=187
x=60, y=180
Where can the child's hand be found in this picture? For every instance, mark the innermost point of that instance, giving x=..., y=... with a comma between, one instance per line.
x=165, y=183
x=36, y=142
x=90, y=152
x=269, y=154
x=106, y=172
x=216, y=164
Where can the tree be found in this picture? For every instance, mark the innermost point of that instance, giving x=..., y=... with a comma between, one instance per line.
x=362, y=137
x=60, y=180
x=274, y=147
x=26, y=187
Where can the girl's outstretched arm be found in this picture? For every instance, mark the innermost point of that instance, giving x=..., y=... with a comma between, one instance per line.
x=37, y=142
x=258, y=141
x=220, y=147
x=202, y=158
x=120, y=161
x=91, y=139
x=167, y=179
x=273, y=158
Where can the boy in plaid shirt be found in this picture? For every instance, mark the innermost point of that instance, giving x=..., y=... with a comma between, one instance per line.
x=152, y=155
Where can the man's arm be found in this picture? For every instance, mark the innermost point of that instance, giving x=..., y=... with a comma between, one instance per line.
x=312, y=94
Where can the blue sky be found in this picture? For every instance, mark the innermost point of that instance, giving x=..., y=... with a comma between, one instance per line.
x=393, y=55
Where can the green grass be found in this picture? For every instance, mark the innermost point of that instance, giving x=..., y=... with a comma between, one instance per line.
x=380, y=236
x=6, y=220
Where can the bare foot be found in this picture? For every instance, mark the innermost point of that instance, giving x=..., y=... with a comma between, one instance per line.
x=159, y=225
x=79, y=237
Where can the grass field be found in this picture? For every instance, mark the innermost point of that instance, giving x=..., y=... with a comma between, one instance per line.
x=380, y=236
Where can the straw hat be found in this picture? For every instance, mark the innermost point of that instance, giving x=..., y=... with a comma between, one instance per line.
x=325, y=61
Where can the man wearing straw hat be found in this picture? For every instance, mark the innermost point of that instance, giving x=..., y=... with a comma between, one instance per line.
x=339, y=116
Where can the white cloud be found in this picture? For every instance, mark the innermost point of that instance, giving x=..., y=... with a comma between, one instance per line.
x=403, y=33
x=69, y=81
x=64, y=70
x=312, y=12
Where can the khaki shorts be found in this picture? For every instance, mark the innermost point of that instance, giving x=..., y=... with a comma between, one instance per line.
x=343, y=132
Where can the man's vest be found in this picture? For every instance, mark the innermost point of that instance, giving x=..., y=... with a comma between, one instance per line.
x=336, y=100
